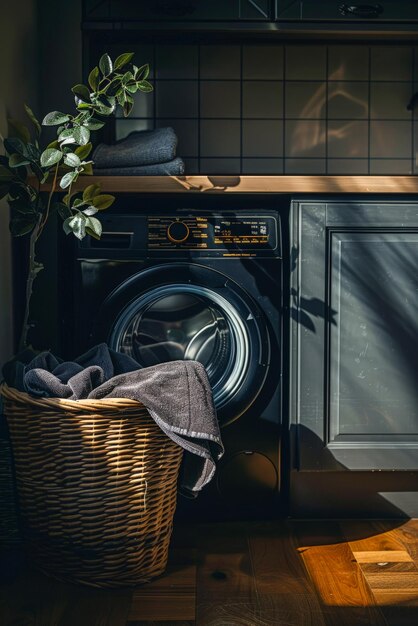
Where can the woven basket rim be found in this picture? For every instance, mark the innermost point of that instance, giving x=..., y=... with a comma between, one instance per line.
x=10, y=393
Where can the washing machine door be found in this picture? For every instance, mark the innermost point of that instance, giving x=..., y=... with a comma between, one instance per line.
x=188, y=311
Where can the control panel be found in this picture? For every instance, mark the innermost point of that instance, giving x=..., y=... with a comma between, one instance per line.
x=228, y=235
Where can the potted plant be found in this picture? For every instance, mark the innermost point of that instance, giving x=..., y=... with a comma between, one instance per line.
x=28, y=166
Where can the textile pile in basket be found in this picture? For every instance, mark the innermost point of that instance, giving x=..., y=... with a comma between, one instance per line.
x=177, y=395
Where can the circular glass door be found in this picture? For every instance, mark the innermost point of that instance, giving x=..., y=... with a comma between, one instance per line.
x=183, y=321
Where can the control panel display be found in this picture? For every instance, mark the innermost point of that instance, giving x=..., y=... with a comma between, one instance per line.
x=227, y=235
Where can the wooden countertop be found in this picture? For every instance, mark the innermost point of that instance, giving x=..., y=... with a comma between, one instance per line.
x=255, y=184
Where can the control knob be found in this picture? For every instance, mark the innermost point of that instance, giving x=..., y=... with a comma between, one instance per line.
x=177, y=232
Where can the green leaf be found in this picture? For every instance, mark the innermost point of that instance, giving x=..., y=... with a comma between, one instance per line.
x=91, y=232
x=122, y=60
x=77, y=224
x=53, y=144
x=62, y=209
x=21, y=190
x=19, y=130
x=33, y=152
x=127, y=77
x=90, y=192
x=94, y=124
x=33, y=119
x=66, y=137
x=81, y=135
x=105, y=106
x=127, y=107
x=17, y=160
x=121, y=97
x=83, y=151
x=81, y=91
x=102, y=201
x=132, y=87
x=141, y=73
x=94, y=78
x=22, y=206
x=66, y=226
x=106, y=65
x=14, y=144
x=145, y=86
x=91, y=210
x=67, y=179
x=87, y=169
x=54, y=118
x=22, y=225
x=50, y=157
x=95, y=225
x=113, y=87
x=81, y=106
x=72, y=160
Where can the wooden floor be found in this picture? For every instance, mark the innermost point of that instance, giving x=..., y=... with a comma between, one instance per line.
x=290, y=573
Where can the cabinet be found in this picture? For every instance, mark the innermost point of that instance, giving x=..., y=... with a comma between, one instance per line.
x=354, y=335
x=338, y=11
x=178, y=10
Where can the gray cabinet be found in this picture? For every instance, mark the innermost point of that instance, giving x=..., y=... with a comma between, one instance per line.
x=354, y=335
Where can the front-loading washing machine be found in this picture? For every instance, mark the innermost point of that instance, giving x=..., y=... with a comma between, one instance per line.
x=199, y=284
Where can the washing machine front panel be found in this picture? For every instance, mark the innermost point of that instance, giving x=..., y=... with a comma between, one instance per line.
x=158, y=289
x=204, y=317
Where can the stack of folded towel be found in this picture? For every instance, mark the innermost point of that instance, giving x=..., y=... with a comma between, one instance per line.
x=141, y=153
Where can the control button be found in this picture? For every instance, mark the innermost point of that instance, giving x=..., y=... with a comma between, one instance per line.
x=177, y=232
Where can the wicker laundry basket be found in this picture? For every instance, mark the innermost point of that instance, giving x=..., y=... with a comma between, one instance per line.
x=97, y=487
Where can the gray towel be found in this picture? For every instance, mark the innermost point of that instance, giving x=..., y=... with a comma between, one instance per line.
x=177, y=395
x=171, y=168
x=144, y=147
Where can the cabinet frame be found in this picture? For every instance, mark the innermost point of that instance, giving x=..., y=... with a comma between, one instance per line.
x=314, y=225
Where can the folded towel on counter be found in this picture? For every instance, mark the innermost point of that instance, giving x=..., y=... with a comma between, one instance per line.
x=171, y=168
x=144, y=147
x=177, y=395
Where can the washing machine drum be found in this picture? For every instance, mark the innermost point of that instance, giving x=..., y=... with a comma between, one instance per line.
x=184, y=311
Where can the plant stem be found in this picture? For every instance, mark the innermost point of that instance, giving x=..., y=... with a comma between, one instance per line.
x=51, y=193
x=32, y=273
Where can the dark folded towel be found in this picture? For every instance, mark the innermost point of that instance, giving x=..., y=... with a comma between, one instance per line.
x=171, y=168
x=143, y=147
x=177, y=395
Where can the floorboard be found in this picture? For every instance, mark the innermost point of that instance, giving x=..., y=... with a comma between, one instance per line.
x=284, y=573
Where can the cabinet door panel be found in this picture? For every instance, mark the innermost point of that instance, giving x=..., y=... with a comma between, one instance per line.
x=373, y=340
x=355, y=335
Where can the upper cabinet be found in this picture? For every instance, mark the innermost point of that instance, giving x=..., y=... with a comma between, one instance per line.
x=180, y=10
x=352, y=12
x=267, y=16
